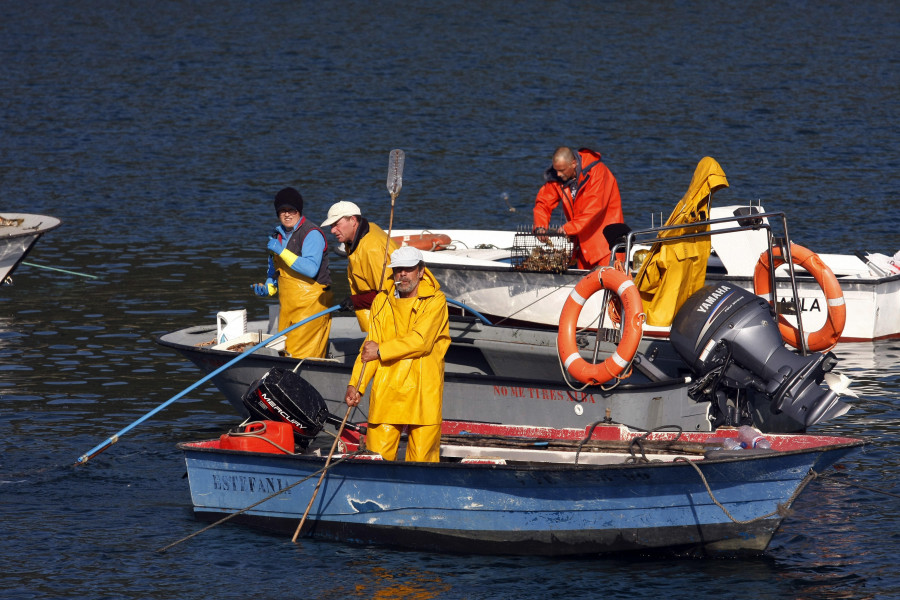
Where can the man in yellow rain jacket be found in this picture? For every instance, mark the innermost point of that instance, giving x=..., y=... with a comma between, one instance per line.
x=364, y=243
x=675, y=270
x=298, y=273
x=404, y=358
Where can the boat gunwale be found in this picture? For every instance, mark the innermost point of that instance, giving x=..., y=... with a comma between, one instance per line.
x=37, y=230
x=720, y=457
x=712, y=276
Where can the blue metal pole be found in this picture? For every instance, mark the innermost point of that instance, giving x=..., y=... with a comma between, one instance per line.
x=115, y=438
x=470, y=309
x=60, y=270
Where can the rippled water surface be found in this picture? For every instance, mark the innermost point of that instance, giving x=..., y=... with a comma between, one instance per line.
x=158, y=133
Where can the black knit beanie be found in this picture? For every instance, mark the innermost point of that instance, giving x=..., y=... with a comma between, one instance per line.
x=289, y=197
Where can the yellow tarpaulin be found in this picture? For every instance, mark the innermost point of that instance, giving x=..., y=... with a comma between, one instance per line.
x=675, y=270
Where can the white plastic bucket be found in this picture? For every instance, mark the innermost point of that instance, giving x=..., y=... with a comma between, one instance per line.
x=230, y=324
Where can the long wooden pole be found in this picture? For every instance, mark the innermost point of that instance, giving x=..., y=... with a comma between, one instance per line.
x=394, y=183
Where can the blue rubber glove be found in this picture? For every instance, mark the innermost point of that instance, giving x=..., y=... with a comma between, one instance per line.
x=267, y=289
x=275, y=247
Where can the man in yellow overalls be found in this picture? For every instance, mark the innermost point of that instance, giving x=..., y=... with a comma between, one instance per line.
x=298, y=273
x=409, y=334
x=364, y=242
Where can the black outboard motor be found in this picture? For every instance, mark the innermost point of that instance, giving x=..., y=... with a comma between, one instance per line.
x=282, y=395
x=730, y=339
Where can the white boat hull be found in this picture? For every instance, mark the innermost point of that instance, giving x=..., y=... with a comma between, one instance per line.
x=477, y=271
x=18, y=233
x=511, y=297
x=495, y=374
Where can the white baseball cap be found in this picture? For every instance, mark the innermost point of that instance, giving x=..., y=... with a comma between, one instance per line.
x=406, y=256
x=339, y=210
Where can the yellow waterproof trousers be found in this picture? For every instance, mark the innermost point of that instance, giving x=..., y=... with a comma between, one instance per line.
x=423, y=443
x=300, y=298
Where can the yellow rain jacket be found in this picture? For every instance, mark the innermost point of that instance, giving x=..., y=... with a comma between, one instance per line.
x=674, y=271
x=365, y=265
x=413, y=335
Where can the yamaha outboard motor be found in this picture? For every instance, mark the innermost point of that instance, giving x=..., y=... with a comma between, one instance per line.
x=730, y=339
x=282, y=395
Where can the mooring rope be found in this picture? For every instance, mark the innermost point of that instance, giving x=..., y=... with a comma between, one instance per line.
x=782, y=508
x=510, y=316
x=856, y=485
x=255, y=504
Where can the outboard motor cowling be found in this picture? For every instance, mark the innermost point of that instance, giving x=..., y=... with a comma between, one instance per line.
x=282, y=395
x=728, y=335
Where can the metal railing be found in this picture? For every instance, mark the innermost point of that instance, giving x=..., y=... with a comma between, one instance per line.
x=754, y=221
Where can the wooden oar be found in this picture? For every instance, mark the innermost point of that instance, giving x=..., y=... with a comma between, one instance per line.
x=394, y=183
x=115, y=438
x=500, y=441
x=334, y=444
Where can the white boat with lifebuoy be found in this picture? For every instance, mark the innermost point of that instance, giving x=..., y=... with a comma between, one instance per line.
x=477, y=268
x=18, y=234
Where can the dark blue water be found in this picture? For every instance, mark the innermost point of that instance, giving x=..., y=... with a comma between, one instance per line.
x=159, y=132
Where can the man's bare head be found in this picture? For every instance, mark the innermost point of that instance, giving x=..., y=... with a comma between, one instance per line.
x=564, y=163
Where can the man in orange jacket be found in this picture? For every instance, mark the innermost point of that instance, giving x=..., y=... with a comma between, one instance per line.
x=590, y=199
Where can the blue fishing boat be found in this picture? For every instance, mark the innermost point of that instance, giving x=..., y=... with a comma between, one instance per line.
x=502, y=489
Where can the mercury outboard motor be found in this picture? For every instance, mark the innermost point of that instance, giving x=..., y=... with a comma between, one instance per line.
x=730, y=339
x=282, y=395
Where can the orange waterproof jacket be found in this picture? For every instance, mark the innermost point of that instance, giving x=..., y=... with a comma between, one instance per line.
x=597, y=204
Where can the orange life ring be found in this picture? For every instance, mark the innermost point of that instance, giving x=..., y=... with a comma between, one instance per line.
x=614, y=281
x=425, y=241
x=828, y=335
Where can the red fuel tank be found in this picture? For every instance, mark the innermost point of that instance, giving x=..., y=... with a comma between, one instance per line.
x=274, y=437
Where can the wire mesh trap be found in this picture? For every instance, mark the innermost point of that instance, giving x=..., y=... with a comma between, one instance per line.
x=549, y=252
